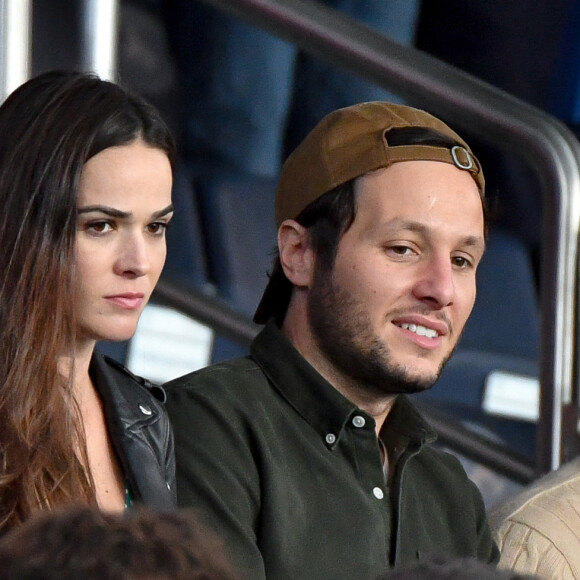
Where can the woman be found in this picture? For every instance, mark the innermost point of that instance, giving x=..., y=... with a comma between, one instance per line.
x=85, y=197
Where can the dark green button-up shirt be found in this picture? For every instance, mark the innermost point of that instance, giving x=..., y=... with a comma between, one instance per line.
x=289, y=473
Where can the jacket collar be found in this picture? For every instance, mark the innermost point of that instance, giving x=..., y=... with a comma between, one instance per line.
x=319, y=403
x=129, y=410
x=127, y=405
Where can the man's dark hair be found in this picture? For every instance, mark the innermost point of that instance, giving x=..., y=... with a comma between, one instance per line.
x=82, y=542
x=329, y=217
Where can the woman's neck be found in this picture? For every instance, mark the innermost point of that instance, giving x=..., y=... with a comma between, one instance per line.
x=77, y=365
x=102, y=462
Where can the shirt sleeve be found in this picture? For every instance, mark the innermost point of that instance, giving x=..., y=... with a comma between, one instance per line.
x=539, y=532
x=487, y=547
x=216, y=471
x=528, y=551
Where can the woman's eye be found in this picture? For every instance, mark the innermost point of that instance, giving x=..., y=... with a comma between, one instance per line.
x=100, y=227
x=157, y=228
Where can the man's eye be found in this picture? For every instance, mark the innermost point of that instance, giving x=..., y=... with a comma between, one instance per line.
x=461, y=262
x=400, y=250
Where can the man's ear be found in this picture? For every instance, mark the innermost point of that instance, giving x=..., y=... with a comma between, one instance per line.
x=296, y=256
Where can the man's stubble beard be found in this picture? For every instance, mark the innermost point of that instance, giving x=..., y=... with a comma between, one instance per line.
x=342, y=329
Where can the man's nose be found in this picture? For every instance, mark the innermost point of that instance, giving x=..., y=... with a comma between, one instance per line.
x=436, y=283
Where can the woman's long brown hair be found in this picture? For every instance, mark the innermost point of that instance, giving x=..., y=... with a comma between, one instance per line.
x=49, y=128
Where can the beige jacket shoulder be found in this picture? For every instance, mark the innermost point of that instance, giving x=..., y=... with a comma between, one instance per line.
x=538, y=530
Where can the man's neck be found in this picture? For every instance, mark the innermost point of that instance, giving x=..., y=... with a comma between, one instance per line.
x=376, y=405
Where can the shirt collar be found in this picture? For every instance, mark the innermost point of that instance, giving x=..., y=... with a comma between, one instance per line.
x=405, y=429
x=318, y=402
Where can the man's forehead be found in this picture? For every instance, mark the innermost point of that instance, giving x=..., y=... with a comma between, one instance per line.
x=400, y=180
x=421, y=167
x=409, y=190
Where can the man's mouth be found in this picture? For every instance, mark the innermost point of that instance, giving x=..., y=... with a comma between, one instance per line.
x=420, y=330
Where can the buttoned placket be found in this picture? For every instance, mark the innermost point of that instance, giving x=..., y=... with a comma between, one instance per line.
x=370, y=468
x=363, y=431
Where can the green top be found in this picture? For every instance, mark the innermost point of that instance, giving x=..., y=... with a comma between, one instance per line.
x=289, y=473
x=129, y=497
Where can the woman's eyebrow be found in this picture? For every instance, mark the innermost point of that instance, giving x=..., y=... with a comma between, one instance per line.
x=110, y=211
x=163, y=212
x=117, y=213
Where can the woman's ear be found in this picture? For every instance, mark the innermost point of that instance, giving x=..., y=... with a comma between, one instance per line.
x=296, y=256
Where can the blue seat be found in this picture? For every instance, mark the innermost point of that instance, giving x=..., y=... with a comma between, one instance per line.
x=186, y=249
x=240, y=233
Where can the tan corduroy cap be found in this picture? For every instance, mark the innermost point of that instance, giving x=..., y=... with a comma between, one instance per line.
x=350, y=142
x=346, y=144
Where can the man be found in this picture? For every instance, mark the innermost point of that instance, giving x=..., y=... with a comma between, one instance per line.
x=306, y=457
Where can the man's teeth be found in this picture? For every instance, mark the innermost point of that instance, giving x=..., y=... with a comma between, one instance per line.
x=420, y=330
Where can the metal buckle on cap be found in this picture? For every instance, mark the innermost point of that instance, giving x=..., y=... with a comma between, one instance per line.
x=456, y=160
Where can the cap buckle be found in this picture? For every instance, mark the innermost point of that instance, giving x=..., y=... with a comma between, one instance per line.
x=467, y=166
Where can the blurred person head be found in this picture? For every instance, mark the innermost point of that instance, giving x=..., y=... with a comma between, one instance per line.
x=82, y=161
x=81, y=542
x=458, y=569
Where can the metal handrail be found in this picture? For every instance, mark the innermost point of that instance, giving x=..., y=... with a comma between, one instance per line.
x=208, y=310
x=547, y=144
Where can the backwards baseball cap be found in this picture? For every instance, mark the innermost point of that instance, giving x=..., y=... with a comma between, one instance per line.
x=345, y=145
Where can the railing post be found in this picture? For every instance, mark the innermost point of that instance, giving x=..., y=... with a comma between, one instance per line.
x=100, y=37
x=15, y=44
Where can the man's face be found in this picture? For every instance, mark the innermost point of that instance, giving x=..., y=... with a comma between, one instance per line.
x=391, y=310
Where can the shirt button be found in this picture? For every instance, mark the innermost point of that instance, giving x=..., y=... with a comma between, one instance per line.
x=378, y=492
x=330, y=438
x=358, y=421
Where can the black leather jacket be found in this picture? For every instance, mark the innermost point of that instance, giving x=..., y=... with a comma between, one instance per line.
x=139, y=429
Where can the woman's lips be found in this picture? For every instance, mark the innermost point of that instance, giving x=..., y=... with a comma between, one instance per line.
x=128, y=300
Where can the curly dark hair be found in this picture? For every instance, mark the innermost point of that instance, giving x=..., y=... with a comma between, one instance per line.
x=82, y=542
